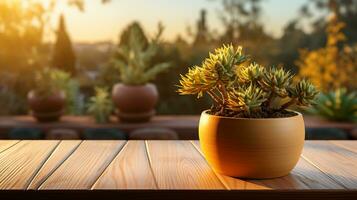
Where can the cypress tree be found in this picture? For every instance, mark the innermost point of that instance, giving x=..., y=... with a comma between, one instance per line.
x=64, y=57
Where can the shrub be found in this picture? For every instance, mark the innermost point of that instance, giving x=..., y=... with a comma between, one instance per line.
x=332, y=66
x=100, y=105
x=338, y=105
x=241, y=88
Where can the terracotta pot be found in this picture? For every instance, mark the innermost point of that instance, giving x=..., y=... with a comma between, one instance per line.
x=252, y=148
x=48, y=108
x=135, y=103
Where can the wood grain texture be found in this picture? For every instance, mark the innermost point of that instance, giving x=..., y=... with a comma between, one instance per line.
x=335, y=161
x=59, y=155
x=20, y=163
x=84, y=166
x=303, y=176
x=178, y=165
x=160, y=165
x=5, y=144
x=229, y=182
x=350, y=145
x=129, y=170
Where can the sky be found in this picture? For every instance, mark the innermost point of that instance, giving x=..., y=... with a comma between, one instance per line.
x=104, y=22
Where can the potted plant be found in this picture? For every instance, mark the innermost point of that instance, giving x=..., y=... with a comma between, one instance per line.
x=339, y=105
x=100, y=106
x=48, y=99
x=135, y=97
x=334, y=115
x=249, y=132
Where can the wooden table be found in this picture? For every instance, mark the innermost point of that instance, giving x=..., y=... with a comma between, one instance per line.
x=162, y=169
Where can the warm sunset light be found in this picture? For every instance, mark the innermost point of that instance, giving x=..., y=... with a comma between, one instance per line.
x=178, y=99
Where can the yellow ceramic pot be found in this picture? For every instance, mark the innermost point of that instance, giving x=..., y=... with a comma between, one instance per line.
x=252, y=148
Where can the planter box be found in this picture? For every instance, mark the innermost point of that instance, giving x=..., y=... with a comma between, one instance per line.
x=184, y=125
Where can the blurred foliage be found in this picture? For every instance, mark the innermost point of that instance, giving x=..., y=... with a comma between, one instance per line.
x=80, y=4
x=100, y=106
x=243, y=25
x=133, y=59
x=316, y=11
x=63, y=54
x=333, y=66
x=23, y=50
x=242, y=88
x=338, y=105
x=49, y=80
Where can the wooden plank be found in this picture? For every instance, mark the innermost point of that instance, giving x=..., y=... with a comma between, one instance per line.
x=19, y=164
x=303, y=176
x=350, y=145
x=129, y=170
x=59, y=155
x=5, y=144
x=229, y=182
x=178, y=165
x=337, y=162
x=84, y=166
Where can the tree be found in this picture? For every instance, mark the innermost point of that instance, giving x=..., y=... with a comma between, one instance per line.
x=242, y=22
x=202, y=35
x=316, y=11
x=64, y=57
x=241, y=19
x=22, y=50
x=333, y=66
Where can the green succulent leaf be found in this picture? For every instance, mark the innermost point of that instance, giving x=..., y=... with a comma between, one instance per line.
x=304, y=92
x=239, y=88
x=252, y=73
x=276, y=81
x=338, y=105
x=246, y=99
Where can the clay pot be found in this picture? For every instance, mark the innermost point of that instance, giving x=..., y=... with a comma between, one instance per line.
x=47, y=108
x=135, y=103
x=252, y=148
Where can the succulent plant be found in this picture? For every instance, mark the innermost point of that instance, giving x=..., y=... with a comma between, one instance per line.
x=246, y=99
x=241, y=88
x=338, y=105
x=275, y=81
x=100, y=105
x=134, y=58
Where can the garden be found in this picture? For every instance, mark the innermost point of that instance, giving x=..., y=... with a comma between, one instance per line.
x=117, y=85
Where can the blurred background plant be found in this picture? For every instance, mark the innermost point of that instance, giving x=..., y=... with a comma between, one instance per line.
x=333, y=66
x=100, y=106
x=338, y=105
x=48, y=81
x=134, y=56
